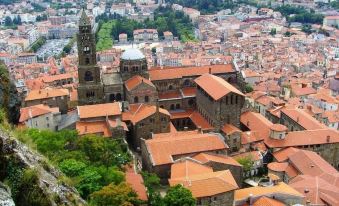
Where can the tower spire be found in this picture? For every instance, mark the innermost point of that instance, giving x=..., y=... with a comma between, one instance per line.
x=84, y=20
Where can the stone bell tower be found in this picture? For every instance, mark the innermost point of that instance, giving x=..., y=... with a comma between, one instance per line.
x=90, y=90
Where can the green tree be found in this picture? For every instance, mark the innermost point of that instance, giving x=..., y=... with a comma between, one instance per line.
x=72, y=167
x=8, y=21
x=273, y=31
x=179, y=196
x=246, y=162
x=248, y=88
x=89, y=182
x=115, y=195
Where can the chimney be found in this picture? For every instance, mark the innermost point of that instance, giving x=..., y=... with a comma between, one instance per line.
x=210, y=70
x=157, y=106
x=250, y=200
x=199, y=129
x=328, y=138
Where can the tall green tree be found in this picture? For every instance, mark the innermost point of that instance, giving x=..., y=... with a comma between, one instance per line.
x=179, y=196
x=115, y=195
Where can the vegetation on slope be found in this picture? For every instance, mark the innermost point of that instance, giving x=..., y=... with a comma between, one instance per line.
x=91, y=162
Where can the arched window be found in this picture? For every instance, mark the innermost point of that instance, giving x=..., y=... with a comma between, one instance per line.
x=118, y=97
x=88, y=76
x=172, y=106
x=86, y=50
x=187, y=82
x=146, y=99
x=170, y=87
x=229, y=79
x=111, y=97
x=136, y=99
x=90, y=94
x=87, y=60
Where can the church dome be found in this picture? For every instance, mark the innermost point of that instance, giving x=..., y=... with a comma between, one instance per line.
x=132, y=54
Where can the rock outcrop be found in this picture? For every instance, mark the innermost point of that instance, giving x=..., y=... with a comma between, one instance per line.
x=5, y=196
x=49, y=177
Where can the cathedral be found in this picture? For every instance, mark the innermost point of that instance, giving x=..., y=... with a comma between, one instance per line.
x=96, y=88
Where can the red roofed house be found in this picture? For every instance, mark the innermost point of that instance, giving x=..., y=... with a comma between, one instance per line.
x=40, y=116
x=159, y=153
x=140, y=90
x=101, y=119
x=143, y=120
x=207, y=186
x=51, y=97
x=218, y=101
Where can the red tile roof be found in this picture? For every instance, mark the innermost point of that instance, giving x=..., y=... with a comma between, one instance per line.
x=204, y=158
x=137, y=183
x=229, y=129
x=186, y=167
x=256, y=122
x=215, y=86
x=305, y=137
x=207, y=184
x=138, y=112
x=136, y=81
x=46, y=94
x=303, y=119
x=35, y=111
x=99, y=110
x=164, y=146
x=282, y=155
x=98, y=127
x=178, y=73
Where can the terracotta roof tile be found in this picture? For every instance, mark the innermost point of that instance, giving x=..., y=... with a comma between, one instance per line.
x=136, y=81
x=229, y=129
x=277, y=166
x=305, y=137
x=204, y=158
x=266, y=201
x=98, y=127
x=99, y=110
x=138, y=112
x=280, y=188
x=163, y=147
x=303, y=119
x=256, y=122
x=137, y=183
x=200, y=121
x=254, y=155
x=282, y=155
x=186, y=167
x=207, y=184
x=46, y=93
x=215, y=86
x=178, y=73
x=35, y=111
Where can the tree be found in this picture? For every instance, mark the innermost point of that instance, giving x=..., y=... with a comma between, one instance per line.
x=8, y=21
x=248, y=88
x=179, y=196
x=246, y=162
x=89, y=182
x=115, y=195
x=72, y=167
x=273, y=31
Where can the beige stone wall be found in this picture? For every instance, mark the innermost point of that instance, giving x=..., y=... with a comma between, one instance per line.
x=61, y=102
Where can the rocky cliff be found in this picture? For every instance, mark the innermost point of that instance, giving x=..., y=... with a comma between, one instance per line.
x=49, y=179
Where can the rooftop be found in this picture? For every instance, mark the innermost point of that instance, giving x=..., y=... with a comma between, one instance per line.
x=132, y=54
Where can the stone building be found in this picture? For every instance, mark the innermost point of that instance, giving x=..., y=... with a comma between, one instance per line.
x=159, y=153
x=144, y=120
x=218, y=101
x=133, y=62
x=90, y=90
x=215, y=188
x=51, y=97
x=140, y=90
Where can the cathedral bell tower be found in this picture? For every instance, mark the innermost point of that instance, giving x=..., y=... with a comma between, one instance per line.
x=90, y=90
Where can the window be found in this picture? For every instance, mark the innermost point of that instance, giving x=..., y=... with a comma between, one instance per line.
x=231, y=99
x=144, y=67
x=170, y=87
x=177, y=106
x=163, y=119
x=47, y=118
x=118, y=97
x=90, y=94
x=146, y=99
x=236, y=99
x=136, y=99
x=151, y=120
x=187, y=82
x=280, y=136
x=125, y=68
x=86, y=50
x=226, y=100
x=190, y=102
x=47, y=124
x=88, y=76
x=172, y=106
x=111, y=97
